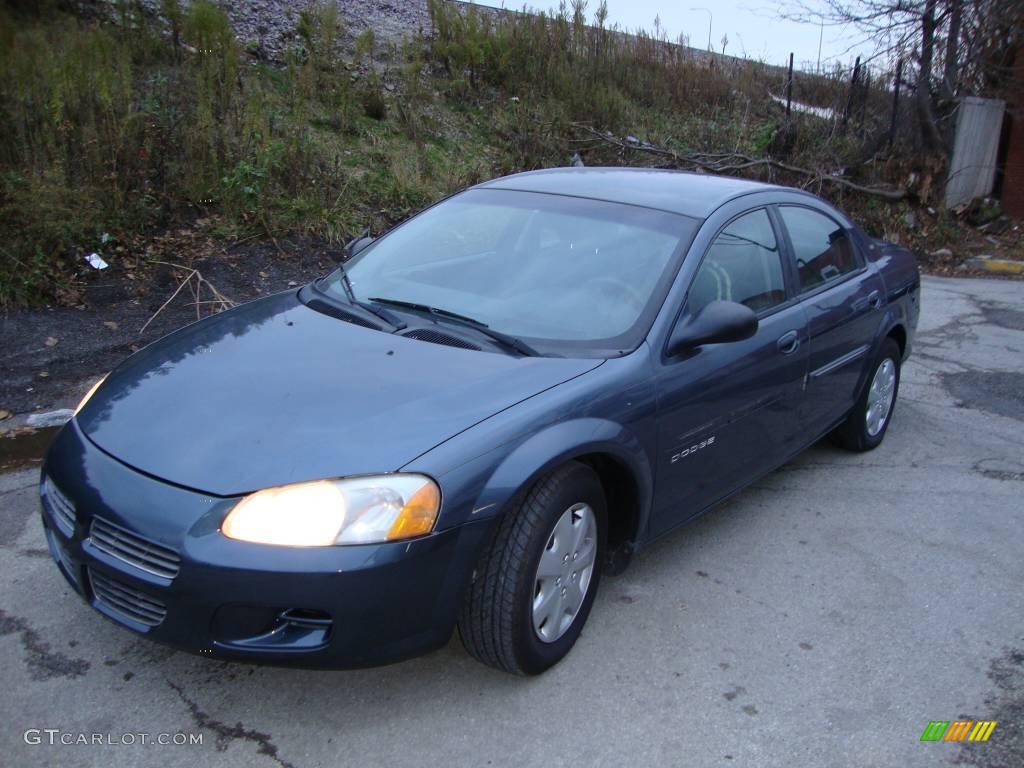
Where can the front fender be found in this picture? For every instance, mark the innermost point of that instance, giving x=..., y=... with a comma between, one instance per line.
x=487, y=485
x=611, y=411
x=564, y=442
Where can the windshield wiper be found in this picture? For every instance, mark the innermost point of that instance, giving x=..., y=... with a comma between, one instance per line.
x=383, y=314
x=511, y=342
x=388, y=317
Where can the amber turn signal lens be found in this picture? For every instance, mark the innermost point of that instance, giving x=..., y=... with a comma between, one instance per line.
x=418, y=515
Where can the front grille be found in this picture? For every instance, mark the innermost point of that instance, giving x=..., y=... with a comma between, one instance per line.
x=436, y=337
x=126, y=601
x=133, y=549
x=60, y=506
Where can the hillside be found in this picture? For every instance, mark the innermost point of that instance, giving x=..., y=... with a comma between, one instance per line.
x=279, y=122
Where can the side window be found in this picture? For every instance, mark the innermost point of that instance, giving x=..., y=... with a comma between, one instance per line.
x=822, y=248
x=742, y=265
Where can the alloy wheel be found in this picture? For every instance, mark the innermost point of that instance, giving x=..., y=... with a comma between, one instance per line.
x=880, y=396
x=564, y=572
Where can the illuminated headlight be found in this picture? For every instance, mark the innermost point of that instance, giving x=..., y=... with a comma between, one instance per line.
x=90, y=393
x=357, y=510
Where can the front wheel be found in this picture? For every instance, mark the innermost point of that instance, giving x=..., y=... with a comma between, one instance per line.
x=869, y=418
x=535, y=583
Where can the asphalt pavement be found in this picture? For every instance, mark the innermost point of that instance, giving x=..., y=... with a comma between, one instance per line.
x=822, y=618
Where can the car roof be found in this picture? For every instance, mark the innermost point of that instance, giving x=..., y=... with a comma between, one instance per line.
x=682, y=192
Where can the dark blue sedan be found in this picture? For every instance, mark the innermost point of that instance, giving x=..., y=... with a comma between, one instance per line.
x=474, y=416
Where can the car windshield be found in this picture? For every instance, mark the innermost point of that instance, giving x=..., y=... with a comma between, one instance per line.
x=562, y=272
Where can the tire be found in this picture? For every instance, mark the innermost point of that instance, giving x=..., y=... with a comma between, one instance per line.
x=497, y=619
x=858, y=432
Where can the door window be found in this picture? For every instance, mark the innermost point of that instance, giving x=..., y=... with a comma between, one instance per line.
x=742, y=265
x=822, y=248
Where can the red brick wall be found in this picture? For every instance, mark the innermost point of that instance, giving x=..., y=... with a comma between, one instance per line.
x=1013, y=171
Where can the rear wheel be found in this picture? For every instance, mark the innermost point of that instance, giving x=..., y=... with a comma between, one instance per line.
x=535, y=583
x=869, y=418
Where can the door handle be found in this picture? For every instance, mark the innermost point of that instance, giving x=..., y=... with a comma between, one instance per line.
x=788, y=343
x=875, y=299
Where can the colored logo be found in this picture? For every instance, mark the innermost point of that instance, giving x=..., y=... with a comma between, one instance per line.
x=958, y=730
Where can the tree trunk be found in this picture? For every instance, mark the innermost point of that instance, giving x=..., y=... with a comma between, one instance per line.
x=930, y=133
x=949, y=80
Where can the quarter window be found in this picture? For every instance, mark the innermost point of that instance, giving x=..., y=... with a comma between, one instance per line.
x=742, y=265
x=822, y=248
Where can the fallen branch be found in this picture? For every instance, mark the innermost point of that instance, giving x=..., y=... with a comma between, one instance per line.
x=169, y=300
x=218, y=298
x=730, y=162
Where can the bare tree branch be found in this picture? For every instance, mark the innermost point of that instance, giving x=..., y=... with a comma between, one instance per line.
x=730, y=162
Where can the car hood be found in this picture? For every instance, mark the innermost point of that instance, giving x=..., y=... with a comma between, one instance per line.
x=274, y=392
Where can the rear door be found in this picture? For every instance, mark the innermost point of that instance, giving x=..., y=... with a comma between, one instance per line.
x=729, y=412
x=843, y=299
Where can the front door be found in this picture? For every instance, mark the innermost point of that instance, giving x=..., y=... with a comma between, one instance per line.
x=729, y=412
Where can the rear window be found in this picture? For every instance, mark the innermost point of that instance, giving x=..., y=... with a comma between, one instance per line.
x=822, y=248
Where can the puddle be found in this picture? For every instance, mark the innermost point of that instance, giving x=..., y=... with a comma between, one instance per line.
x=23, y=448
x=1000, y=392
x=1003, y=317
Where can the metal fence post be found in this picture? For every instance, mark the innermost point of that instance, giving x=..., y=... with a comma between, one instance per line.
x=789, y=86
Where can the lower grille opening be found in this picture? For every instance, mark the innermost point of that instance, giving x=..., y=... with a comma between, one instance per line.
x=300, y=617
x=251, y=628
x=126, y=601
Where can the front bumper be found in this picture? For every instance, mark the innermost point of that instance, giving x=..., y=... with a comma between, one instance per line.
x=149, y=556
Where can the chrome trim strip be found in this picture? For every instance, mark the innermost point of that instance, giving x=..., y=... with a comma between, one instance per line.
x=132, y=549
x=839, y=362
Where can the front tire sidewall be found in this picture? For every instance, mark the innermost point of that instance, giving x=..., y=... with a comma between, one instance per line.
x=535, y=655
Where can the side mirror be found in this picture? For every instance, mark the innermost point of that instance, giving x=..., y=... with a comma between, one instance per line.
x=355, y=246
x=719, y=322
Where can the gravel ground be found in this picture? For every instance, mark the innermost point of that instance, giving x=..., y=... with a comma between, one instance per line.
x=271, y=23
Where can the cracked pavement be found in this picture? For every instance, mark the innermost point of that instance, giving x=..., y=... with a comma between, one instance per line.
x=822, y=617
